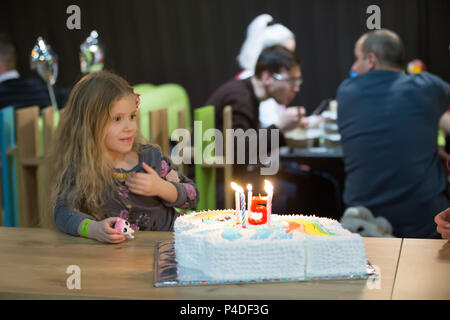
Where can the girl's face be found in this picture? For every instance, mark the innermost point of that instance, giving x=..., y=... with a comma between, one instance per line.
x=121, y=128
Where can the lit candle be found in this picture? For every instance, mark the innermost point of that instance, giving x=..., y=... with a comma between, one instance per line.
x=250, y=194
x=269, y=189
x=237, y=190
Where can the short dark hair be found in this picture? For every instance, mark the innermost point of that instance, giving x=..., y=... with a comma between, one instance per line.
x=7, y=52
x=274, y=59
x=387, y=47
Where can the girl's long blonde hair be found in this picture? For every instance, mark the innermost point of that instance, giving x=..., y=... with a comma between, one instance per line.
x=81, y=168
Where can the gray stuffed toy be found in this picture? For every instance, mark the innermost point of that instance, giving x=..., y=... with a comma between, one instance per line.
x=361, y=220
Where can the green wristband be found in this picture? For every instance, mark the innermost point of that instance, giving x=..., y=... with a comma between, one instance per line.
x=84, y=227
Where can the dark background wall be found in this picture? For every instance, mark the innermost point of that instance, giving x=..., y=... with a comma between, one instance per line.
x=195, y=42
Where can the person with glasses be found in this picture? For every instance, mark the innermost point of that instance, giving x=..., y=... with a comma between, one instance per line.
x=277, y=75
x=262, y=33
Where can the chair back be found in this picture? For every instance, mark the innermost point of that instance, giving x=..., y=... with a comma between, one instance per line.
x=47, y=124
x=205, y=177
x=8, y=161
x=143, y=88
x=159, y=134
x=228, y=168
x=170, y=96
x=27, y=166
x=34, y=135
x=205, y=172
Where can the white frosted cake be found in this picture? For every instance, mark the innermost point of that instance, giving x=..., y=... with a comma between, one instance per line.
x=210, y=245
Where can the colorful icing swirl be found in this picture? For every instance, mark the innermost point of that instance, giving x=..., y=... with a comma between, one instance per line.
x=228, y=219
x=280, y=229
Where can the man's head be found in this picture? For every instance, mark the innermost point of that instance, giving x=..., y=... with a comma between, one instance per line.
x=378, y=49
x=7, y=54
x=278, y=69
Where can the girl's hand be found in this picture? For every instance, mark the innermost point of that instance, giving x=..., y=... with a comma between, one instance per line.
x=145, y=184
x=103, y=231
x=151, y=184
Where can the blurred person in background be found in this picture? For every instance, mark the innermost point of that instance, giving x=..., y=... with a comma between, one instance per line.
x=22, y=92
x=389, y=124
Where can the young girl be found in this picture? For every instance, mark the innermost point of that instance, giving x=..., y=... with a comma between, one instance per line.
x=102, y=169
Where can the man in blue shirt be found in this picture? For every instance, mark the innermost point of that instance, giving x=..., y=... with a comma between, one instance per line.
x=388, y=121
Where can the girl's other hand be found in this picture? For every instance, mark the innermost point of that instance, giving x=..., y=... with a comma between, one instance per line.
x=145, y=184
x=104, y=231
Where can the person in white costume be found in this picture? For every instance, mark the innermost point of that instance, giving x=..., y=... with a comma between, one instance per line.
x=264, y=32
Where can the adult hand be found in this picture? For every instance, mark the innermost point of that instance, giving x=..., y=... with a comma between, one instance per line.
x=291, y=118
x=103, y=231
x=313, y=121
x=145, y=184
x=443, y=223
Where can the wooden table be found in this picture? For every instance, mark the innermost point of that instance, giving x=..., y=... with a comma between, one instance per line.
x=34, y=263
x=423, y=270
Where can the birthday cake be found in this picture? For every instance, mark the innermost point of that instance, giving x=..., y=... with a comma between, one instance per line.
x=215, y=245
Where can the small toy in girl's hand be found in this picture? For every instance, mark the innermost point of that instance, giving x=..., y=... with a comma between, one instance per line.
x=125, y=228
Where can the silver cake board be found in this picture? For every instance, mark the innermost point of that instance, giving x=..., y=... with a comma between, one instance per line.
x=166, y=271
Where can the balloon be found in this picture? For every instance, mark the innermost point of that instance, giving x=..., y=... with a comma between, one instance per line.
x=91, y=54
x=44, y=61
x=416, y=66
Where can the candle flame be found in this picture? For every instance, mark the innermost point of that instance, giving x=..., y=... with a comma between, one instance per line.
x=249, y=187
x=268, y=187
x=236, y=187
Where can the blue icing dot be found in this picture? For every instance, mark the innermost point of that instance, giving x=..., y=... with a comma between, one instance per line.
x=205, y=231
x=282, y=235
x=231, y=234
x=262, y=234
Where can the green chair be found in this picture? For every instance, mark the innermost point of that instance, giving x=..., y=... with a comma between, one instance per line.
x=168, y=96
x=205, y=177
x=24, y=174
x=143, y=88
x=205, y=173
x=441, y=138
